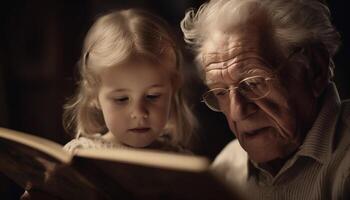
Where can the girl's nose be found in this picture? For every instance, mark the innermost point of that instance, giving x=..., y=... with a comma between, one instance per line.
x=139, y=111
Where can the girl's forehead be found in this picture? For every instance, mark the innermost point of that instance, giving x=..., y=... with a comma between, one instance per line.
x=139, y=73
x=164, y=60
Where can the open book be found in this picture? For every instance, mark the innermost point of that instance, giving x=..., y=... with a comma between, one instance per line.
x=41, y=164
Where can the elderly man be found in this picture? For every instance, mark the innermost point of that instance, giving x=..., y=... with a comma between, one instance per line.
x=268, y=66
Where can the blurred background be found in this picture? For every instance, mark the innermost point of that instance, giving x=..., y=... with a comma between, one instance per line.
x=40, y=46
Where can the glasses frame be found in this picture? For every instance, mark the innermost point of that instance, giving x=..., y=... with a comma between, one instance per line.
x=268, y=78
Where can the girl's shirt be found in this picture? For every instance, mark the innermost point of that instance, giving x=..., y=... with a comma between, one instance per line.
x=96, y=141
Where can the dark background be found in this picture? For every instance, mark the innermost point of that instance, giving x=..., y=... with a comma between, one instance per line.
x=40, y=46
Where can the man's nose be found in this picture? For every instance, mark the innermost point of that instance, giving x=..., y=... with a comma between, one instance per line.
x=240, y=108
x=139, y=110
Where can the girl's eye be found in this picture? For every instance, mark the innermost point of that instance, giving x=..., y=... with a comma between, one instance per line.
x=121, y=99
x=153, y=97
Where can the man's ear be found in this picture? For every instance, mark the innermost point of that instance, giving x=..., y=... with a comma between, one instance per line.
x=318, y=71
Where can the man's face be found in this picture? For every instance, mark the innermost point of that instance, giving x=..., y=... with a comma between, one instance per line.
x=268, y=128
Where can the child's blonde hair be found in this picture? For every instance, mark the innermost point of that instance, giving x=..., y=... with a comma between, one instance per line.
x=115, y=38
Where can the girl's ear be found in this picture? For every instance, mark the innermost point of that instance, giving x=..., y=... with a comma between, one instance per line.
x=319, y=73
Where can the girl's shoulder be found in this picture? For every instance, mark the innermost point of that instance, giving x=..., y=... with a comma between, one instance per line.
x=94, y=141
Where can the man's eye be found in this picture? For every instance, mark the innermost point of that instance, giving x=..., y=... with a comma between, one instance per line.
x=251, y=83
x=220, y=92
x=153, y=97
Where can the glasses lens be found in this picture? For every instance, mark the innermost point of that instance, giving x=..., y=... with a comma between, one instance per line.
x=216, y=97
x=254, y=87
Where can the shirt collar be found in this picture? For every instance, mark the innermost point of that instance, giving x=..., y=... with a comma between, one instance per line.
x=318, y=141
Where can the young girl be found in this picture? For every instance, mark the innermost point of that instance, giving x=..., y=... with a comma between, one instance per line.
x=129, y=94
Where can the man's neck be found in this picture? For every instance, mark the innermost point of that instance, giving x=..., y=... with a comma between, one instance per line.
x=274, y=166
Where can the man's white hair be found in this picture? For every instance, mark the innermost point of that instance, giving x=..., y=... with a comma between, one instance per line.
x=294, y=23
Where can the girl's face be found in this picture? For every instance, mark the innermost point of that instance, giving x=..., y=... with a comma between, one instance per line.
x=135, y=99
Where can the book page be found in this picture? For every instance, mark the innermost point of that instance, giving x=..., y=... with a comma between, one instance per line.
x=42, y=165
x=46, y=146
x=28, y=159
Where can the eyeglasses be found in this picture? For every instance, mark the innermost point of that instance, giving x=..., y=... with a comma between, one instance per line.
x=252, y=88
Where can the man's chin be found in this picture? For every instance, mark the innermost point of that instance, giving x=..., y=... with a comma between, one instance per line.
x=268, y=156
x=263, y=154
x=257, y=158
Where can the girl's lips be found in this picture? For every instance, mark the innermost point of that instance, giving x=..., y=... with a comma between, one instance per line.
x=139, y=130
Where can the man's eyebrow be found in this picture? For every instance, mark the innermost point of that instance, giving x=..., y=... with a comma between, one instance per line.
x=248, y=72
x=244, y=73
x=212, y=85
x=209, y=83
